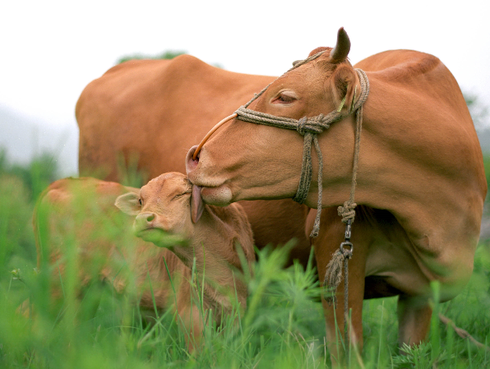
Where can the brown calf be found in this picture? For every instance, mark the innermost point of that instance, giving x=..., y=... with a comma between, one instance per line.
x=80, y=218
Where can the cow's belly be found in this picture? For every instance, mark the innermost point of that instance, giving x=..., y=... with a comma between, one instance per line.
x=396, y=266
x=403, y=267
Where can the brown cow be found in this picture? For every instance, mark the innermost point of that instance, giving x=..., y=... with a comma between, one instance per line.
x=420, y=182
x=153, y=111
x=80, y=216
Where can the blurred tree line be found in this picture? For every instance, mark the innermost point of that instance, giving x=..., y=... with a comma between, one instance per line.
x=170, y=54
x=480, y=116
x=20, y=186
x=34, y=176
x=478, y=111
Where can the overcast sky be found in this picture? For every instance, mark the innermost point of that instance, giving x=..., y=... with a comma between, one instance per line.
x=50, y=50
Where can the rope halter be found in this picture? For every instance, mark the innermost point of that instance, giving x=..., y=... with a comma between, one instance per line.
x=309, y=128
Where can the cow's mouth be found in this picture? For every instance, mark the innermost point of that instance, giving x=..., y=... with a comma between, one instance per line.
x=214, y=191
x=220, y=195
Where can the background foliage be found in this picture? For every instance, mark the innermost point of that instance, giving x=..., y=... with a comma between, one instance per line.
x=170, y=54
x=282, y=328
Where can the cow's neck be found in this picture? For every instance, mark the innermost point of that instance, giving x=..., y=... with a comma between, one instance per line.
x=388, y=178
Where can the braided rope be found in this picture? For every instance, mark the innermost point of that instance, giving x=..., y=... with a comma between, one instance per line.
x=309, y=128
x=347, y=211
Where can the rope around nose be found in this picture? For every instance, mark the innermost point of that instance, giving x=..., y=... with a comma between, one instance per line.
x=309, y=128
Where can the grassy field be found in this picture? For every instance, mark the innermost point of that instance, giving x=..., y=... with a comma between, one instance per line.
x=283, y=326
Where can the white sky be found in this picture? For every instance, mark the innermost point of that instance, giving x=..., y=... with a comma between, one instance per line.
x=50, y=49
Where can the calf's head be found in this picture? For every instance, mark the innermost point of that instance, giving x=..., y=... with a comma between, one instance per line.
x=250, y=161
x=165, y=209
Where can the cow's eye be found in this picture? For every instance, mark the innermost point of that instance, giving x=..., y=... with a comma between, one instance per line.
x=140, y=201
x=285, y=97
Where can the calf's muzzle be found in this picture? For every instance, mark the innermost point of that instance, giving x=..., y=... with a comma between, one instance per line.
x=143, y=221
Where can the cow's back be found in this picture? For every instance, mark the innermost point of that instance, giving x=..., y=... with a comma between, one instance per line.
x=154, y=111
x=148, y=113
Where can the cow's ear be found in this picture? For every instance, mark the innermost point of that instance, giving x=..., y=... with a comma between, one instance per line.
x=129, y=203
x=344, y=87
x=341, y=49
x=197, y=206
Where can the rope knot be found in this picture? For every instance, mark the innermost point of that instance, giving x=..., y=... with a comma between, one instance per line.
x=347, y=211
x=302, y=126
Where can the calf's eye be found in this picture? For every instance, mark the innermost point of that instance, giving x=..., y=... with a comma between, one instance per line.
x=182, y=194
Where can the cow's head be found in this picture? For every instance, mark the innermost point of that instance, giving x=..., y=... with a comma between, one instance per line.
x=165, y=209
x=250, y=161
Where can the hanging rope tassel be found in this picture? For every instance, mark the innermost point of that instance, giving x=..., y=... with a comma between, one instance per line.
x=337, y=265
x=333, y=276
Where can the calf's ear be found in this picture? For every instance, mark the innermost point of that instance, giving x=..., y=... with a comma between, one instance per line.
x=197, y=207
x=129, y=203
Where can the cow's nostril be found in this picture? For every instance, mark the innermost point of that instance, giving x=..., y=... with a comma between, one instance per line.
x=191, y=162
x=150, y=217
x=193, y=155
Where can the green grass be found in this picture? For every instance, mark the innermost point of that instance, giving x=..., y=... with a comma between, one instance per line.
x=283, y=326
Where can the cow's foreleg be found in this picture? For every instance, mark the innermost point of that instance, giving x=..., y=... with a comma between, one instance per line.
x=414, y=315
x=327, y=242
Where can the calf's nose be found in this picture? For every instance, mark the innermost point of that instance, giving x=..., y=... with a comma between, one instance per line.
x=190, y=162
x=143, y=221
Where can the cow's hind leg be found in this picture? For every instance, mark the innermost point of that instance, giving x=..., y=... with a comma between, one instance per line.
x=414, y=316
